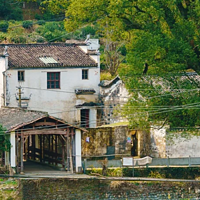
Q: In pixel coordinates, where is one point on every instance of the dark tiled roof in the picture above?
(89, 104)
(28, 55)
(14, 117)
(85, 91)
(106, 83)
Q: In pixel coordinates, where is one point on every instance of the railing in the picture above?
(156, 162)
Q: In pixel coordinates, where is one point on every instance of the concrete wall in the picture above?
(183, 145)
(158, 142)
(102, 138)
(57, 102)
(174, 144)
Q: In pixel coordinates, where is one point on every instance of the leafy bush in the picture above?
(4, 26)
(18, 39)
(12, 21)
(53, 30)
(40, 39)
(41, 22)
(15, 14)
(27, 24)
(10, 10)
(38, 16)
(2, 36)
(87, 30)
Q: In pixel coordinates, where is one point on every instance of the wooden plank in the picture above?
(44, 124)
(45, 132)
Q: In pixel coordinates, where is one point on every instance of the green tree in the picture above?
(163, 35)
(10, 9)
(4, 141)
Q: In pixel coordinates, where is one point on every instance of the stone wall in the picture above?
(82, 189)
(101, 140)
(174, 144)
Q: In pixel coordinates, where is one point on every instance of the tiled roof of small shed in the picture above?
(14, 118)
(29, 55)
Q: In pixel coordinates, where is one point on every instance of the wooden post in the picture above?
(33, 146)
(70, 156)
(63, 153)
(28, 149)
(52, 155)
(17, 153)
(49, 148)
(68, 161)
(56, 149)
(22, 151)
(40, 148)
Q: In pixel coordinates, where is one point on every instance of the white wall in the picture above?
(158, 142)
(57, 102)
(174, 145)
(180, 146)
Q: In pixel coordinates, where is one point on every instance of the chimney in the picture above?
(6, 57)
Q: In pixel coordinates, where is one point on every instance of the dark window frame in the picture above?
(21, 76)
(53, 81)
(85, 74)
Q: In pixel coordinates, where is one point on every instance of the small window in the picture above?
(20, 75)
(53, 80)
(85, 74)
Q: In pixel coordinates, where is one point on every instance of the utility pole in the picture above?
(20, 96)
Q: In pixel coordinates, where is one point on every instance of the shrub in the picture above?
(40, 39)
(87, 30)
(12, 21)
(4, 26)
(38, 16)
(18, 39)
(2, 36)
(27, 24)
(41, 22)
(15, 14)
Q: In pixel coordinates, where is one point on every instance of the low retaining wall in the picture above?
(105, 189)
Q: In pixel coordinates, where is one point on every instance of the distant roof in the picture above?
(79, 42)
(106, 83)
(14, 118)
(48, 55)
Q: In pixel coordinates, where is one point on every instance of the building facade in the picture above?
(57, 78)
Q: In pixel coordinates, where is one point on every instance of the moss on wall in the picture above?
(106, 189)
(101, 138)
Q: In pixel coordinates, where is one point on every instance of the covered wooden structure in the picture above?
(39, 137)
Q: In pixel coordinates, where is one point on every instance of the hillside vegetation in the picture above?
(39, 31)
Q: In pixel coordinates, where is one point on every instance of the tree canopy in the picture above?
(164, 36)
(162, 42)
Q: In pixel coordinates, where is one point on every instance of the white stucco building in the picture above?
(59, 78)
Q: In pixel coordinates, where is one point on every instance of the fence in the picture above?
(156, 162)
